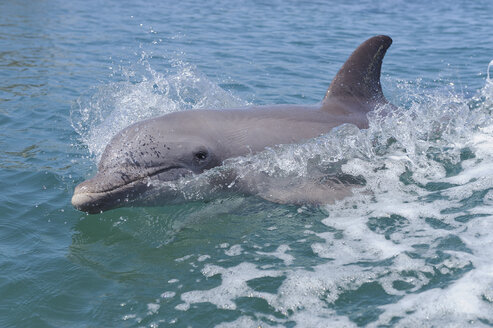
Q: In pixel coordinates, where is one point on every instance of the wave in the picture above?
(415, 236)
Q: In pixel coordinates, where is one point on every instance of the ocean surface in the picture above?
(413, 247)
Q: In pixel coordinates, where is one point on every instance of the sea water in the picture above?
(413, 245)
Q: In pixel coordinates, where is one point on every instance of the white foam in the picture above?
(168, 295)
(402, 226)
(234, 250)
(202, 258)
(233, 286)
(129, 316)
(410, 229)
(153, 308)
(458, 305)
(245, 321)
(280, 253)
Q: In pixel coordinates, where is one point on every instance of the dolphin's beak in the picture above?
(90, 197)
(86, 202)
(108, 190)
(82, 200)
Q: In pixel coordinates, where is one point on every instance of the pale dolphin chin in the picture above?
(181, 144)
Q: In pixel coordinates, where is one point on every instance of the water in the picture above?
(412, 247)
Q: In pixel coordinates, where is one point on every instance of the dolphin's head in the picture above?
(153, 150)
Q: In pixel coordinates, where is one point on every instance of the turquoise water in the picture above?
(413, 247)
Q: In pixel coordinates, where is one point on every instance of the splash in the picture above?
(412, 248)
(412, 244)
(143, 93)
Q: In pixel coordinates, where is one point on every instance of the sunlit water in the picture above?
(413, 245)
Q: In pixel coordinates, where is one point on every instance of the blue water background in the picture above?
(59, 267)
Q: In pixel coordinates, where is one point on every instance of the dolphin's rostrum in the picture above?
(184, 143)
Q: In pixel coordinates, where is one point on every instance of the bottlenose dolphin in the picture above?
(175, 145)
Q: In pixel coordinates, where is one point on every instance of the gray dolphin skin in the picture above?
(180, 144)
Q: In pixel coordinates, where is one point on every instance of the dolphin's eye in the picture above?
(201, 155)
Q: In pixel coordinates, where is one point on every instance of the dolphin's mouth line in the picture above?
(98, 200)
(132, 182)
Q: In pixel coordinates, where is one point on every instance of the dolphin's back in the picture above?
(256, 128)
(252, 129)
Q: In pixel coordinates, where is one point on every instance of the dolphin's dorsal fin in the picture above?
(358, 80)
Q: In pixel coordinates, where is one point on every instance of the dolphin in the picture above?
(185, 143)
